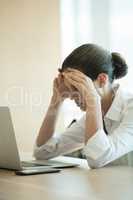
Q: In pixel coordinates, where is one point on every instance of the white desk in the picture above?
(109, 183)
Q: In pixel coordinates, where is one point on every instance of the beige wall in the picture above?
(29, 58)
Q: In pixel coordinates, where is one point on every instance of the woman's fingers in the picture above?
(72, 80)
(79, 76)
(69, 85)
(56, 82)
(76, 73)
(86, 81)
(60, 80)
(75, 78)
(73, 83)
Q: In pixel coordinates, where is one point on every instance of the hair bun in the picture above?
(119, 64)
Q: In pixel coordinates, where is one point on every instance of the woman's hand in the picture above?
(61, 90)
(83, 84)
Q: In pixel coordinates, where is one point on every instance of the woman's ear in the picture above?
(102, 79)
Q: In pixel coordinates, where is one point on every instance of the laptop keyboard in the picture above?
(28, 164)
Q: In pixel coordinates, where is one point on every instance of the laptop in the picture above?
(9, 154)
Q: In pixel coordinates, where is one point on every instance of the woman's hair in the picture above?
(92, 60)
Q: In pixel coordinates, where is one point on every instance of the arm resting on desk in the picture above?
(100, 149)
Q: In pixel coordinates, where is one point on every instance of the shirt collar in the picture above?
(115, 110)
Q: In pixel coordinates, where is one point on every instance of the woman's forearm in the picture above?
(93, 119)
(48, 126)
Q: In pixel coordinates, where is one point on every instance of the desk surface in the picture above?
(109, 183)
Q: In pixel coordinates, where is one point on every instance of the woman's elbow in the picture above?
(37, 155)
(43, 154)
(95, 164)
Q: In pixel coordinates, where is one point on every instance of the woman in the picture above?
(105, 132)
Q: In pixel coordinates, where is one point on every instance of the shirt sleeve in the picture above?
(70, 140)
(102, 149)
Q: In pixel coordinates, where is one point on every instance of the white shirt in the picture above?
(100, 149)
